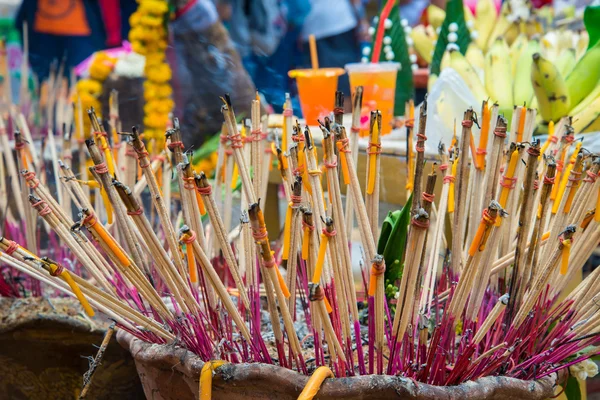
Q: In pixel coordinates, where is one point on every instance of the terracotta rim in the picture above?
(240, 378)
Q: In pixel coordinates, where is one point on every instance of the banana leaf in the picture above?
(405, 87)
(392, 241)
(455, 12)
(591, 20)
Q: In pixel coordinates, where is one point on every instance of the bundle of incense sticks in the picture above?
(482, 289)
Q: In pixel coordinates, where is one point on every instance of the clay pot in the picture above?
(171, 372)
(43, 345)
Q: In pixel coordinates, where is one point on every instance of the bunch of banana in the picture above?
(511, 61)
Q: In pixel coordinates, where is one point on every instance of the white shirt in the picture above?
(328, 18)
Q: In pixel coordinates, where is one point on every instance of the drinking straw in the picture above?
(314, 58)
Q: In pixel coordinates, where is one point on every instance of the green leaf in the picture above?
(455, 12)
(392, 241)
(572, 390)
(591, 20)
(405, 87)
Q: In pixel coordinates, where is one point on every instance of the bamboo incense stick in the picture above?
(373, 172)
(354, 135)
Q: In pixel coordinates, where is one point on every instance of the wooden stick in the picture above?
(354, 135)
(88, 377)
(373, 172)
(461, 192)
(205, 190)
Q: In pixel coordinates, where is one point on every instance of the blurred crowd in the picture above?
(216, 46)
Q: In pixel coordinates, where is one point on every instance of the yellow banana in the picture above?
(588, 120)
(422, 42)
(522, 88)
(436, 16)
(516, 49)
(459, 63)
(550, 89)
(485, 21)
(475, 57)
(584, 76)
(431, 81)
(445, 60)
(498, 76)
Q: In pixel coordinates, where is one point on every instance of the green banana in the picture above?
(588, 120)
(566, 61)
(550, 89)
(498, 76)
(584, 77)
(522, 89)
(585, 103)
(459, 63)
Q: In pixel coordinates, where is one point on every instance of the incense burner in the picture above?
(170, 372)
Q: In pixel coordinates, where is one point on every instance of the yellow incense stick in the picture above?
(508, 179)
(549, 140)
(320, 258)
(451, 188)
(565, 179)
(374, 149)
(522, 119)
(287, 232)
(206, 378)
(483, 137)
(565, 253)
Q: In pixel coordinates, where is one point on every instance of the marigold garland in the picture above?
(89, 89)
(148, 36)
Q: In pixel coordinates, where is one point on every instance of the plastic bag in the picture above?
(447, 102)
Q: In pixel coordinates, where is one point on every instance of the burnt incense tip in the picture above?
(504, 299)
(33, 199)
(377, 259)
(89, 142)
(308, 138)
(244, 218)
(184, 229)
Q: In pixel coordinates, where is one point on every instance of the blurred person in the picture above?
(72, 30)
(334, 23)
(206, 65)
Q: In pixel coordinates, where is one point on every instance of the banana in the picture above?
(498, 76)
(566, 61)
(550, 89)
(511, 33)
(445, 61)
(582, 44)
(584, 76)
(459, 63)
(485, 21)
(436, 16)
(422, 42)
(475, 57)
(550, 47)
(588, 120)
(585, 103)
(522, 89)
(516, 49)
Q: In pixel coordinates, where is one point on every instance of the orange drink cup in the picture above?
(379, 88)
(316, 88)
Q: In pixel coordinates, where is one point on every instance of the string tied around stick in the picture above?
(101, 168)
(467, 123)
(443, 167)
(176, 145)
(429, 197)
(30, 177)
(591, 177)
(548, 180)
(338, 110)
(90, 220)
(308, 226)
(329, 234)
(410, 123)
(355, 129)
(315, 172)
(57, 271)
(206, 190)
(449, 179)
(330, 164)
(421, 138)
(574, 178)
(189, 238)
(236, 141)
(12, 247)
(536, 184)
(374, 148)
(342, 145)
(45, 209)
(377, 269)
(139, 211)
(508, 182)
(568, 138)
(554, 139)
(500, 131)
(288, 112)
(481, 151)
(189, 183)
(534, 151)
